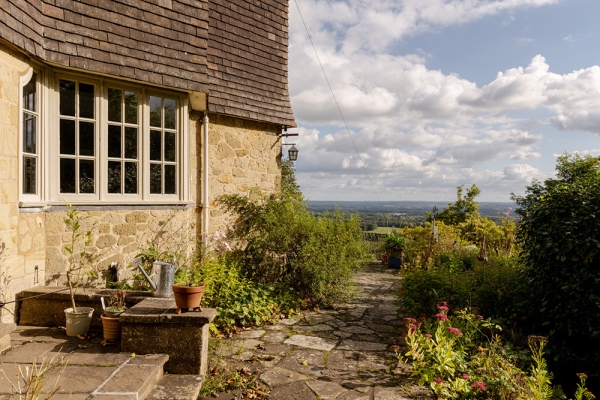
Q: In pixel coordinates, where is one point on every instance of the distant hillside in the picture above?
(402, 213)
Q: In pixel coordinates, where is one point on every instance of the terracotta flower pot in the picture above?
(188, 297)
(111, 327)
(385, 258)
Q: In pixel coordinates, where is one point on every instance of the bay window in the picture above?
(100, 141)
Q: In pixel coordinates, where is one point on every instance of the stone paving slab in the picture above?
(311, 342)
(341, 354)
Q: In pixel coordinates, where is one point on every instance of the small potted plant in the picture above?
(394, 246)
(79, 266)
(110, 320)
(188, 289)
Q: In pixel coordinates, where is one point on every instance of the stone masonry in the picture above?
(22, 241)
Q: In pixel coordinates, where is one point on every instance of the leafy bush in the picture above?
(560, 238)
(238, 300)
(498, 287)
(279, 240)
(460, 357)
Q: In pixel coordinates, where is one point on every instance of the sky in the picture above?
(441, 93)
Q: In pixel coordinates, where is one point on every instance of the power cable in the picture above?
(336, 103)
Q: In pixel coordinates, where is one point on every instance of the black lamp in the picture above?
(293, 153)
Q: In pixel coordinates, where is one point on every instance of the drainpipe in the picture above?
(205, 177)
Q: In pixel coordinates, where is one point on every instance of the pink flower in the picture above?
(410, 320)
(454, 331)
(442, 308)
(428, 335)
(478, 386)
(395, 347)
(480, 316)
(466, 377)
(404, 335)
(421, 316)
(441, 317)
(437, 380)
(441, 303)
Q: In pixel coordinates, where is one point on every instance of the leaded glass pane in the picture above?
(155, 111)
(67, 136)
(29, 94)
(29, 175)
(67, 175)
(131, 143)
(86, 138)
(155, 178)
(131, 177)
(114, 177)
(86, 176)
(67, 98)
(86, 100)
(131, 107)
(169, 152)
(170, 179)
(155, 145)
(29, 133)
(170, 113)
(114, 141)
(114, 105)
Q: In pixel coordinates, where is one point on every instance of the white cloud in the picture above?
(521, 172)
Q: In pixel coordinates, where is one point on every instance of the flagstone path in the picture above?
(341, 354)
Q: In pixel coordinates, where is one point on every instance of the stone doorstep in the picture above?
(177, 387)
(5, 330)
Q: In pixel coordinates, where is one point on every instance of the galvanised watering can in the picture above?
(164, 276)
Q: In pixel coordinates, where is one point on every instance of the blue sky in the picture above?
(418, 82)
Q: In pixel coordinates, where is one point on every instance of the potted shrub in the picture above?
(394, 246)
(188, 289)
(110, 319)
(78, 319)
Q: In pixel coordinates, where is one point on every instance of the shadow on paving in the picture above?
(341, 354)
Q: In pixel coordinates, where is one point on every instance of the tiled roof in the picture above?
(234, 50)
(247, 59)
(161, 42)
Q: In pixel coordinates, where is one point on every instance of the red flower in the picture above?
(437, 380)
(478, 386)
(405, 335)
(466, 377)
(454, 331)
(395, 347)
(441, 317)
(410, 320)
(421, 316)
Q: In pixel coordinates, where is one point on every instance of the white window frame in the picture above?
(23, 81)
(48, 127)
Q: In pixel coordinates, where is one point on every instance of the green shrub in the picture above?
(238, 300)
(497, 287)
(279, 240)
(560, 237)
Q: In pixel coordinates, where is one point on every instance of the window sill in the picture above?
(105, 206)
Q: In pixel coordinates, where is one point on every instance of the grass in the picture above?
(383, 230)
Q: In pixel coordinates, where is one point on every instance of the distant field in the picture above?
(382, 230)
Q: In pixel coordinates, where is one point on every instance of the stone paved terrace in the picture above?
(92, 370)
(341, 354)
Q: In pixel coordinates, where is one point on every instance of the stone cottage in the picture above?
(140, 112)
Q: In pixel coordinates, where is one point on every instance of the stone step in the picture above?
(177, 387)
(135, 379)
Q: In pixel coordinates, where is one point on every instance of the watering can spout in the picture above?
(138, 262)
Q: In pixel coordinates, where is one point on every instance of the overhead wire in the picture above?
(337, 104)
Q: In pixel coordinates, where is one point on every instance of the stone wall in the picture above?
(118, 237)
(242, 157)
(21, 235)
